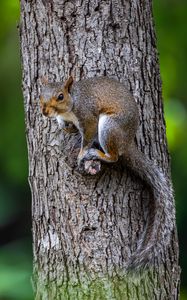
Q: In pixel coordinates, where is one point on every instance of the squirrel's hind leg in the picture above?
(107, 136)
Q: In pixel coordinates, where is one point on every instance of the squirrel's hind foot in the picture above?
(90, 166)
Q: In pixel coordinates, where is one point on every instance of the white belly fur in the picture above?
(101, 125)
(68, 117)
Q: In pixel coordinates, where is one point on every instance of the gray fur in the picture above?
(103, 106)
(161, 215)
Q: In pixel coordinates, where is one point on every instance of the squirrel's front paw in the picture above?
(70, 128)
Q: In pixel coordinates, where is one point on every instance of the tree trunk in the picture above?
(85, 228)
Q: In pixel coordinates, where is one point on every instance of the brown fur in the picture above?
(103, 108)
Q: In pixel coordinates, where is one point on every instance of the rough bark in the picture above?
(86, 227)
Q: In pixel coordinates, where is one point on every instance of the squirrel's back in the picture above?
(108, 92)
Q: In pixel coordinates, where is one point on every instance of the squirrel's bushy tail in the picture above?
(160, 219)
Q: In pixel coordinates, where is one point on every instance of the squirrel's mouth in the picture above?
(45, 113)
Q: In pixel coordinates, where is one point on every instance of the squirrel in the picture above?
(103, 108)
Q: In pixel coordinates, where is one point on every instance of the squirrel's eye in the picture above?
(60, 97)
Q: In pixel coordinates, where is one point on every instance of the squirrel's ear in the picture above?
(68, 83)
(44, 80)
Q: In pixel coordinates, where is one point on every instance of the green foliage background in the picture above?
(16, 254)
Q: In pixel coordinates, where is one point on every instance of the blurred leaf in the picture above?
(183, 295)
(13, 153)
(170, 17)
(15, 271)
(9, 16)
(175, 115)
(6, 205)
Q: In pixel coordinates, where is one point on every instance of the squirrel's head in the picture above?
(55, 98)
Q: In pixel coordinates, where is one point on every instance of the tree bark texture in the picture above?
(85, 228)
